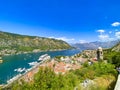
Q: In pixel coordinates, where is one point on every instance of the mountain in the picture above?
(95, 45)
(116, 47)
(84, 46)
(13, 43)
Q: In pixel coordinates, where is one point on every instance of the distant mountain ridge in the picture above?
(12, 43)
(95, 45)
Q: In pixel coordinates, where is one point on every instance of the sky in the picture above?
(74, 21)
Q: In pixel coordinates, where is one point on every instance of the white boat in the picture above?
(33, 63)
(19, 70)
(44, 57)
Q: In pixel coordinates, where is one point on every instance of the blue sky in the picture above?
(69, 20)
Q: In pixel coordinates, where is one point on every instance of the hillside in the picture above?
(54, 75)
(112, 55)
(13, 43)
(95, 45)
(116, 47)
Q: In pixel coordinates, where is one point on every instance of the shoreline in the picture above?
(34, 67)
(20, 76)
(20, 52)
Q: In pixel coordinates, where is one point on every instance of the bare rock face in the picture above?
(116, 48)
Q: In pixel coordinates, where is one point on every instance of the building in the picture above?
(99, 53)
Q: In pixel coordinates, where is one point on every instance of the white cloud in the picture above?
(110, 32)
(116, 30)
(51, 37)
(101, 31)
(83, 41)
(117, 34)
(115, 24)
(103, 37)
(64, 39)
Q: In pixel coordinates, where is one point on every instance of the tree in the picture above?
(116, 59)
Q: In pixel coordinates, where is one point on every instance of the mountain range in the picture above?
(95, 45)
(11, 43)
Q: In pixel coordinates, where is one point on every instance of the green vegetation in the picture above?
(113, 58)
(95, 70)
(46, 79)
(98, 72)
(13, 43)
(116, 59)
(105, 82)
(112, 55)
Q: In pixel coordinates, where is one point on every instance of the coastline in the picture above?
(27, 76)
(27, 52)
(21, 76)
(49, 54)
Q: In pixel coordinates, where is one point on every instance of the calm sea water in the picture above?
(13, 62)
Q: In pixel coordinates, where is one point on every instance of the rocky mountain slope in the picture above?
(95, 45)
(12, 43)
(116, 47)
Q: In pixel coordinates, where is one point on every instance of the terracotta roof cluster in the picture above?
(58, 67)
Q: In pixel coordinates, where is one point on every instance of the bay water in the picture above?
(12, 62)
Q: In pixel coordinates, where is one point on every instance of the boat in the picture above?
(44, 57)
(33, 63)
(20, 70)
